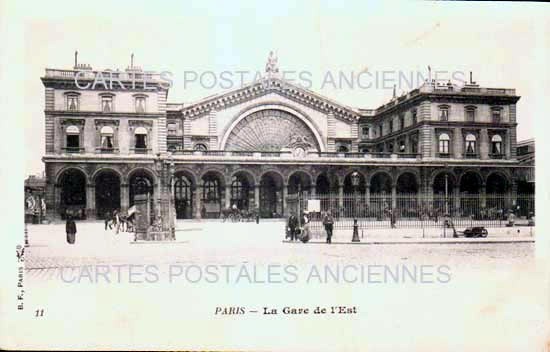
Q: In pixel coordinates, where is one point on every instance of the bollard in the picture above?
(355, 237)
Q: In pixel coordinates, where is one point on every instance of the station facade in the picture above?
(262, 144)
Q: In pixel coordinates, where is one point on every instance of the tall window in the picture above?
(414, 118)
(107, 103)
(496, 115)
(73, 139)
(141, 140)
(444, 141)
(380, 130)
(496, 145)
(470, 113)
(365, 132)
(471, 144)
(401, 146)
(444, 113)
(73, 103)
(172, 129)
(140, 104)
(401, 121)
(107, 138)
(391, 125)
(414, 144)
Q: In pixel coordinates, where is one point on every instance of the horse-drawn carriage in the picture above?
(120, 221)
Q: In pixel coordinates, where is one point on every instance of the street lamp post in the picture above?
(355, 184)
(171, 215)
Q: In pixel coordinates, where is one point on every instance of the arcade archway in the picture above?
(107, 193)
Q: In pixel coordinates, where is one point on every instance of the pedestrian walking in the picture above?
(328, 222)
(292, 224)
(305, 234)
(70, 228)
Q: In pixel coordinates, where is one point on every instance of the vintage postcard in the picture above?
(275, 176)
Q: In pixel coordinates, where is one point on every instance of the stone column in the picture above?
(312, 192)
(456, 194)
(90, 201)
(57, 200)
(367, 194)
(484, 145)
(340, 196)
(512, 196)
(124, 197)
(457, 143)
(483, 195)
(227, 196)
(257, 196)
(197, 196)
(394, 196)
(285, 194)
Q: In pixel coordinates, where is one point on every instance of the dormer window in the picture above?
(470, 112)
(72, 101)
(140, 103)
(443, 113)
(107, 104)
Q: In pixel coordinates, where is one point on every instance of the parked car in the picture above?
(478, 231)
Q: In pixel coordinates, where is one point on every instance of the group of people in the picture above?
(299, 230)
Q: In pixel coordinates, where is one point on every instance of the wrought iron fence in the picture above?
(417, 210)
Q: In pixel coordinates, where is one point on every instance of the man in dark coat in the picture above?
(292, 225)
(70, 228)
(328, 222)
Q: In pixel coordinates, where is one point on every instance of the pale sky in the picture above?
(505, 45)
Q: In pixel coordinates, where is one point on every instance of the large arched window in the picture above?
(200, 147)
(444, 141)
(471, 146)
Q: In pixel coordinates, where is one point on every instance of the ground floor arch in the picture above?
(299, 182)
(107, 193)
(183, 195)
(242, 190)
(271, 195)
(72, 200)
(212, 191)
